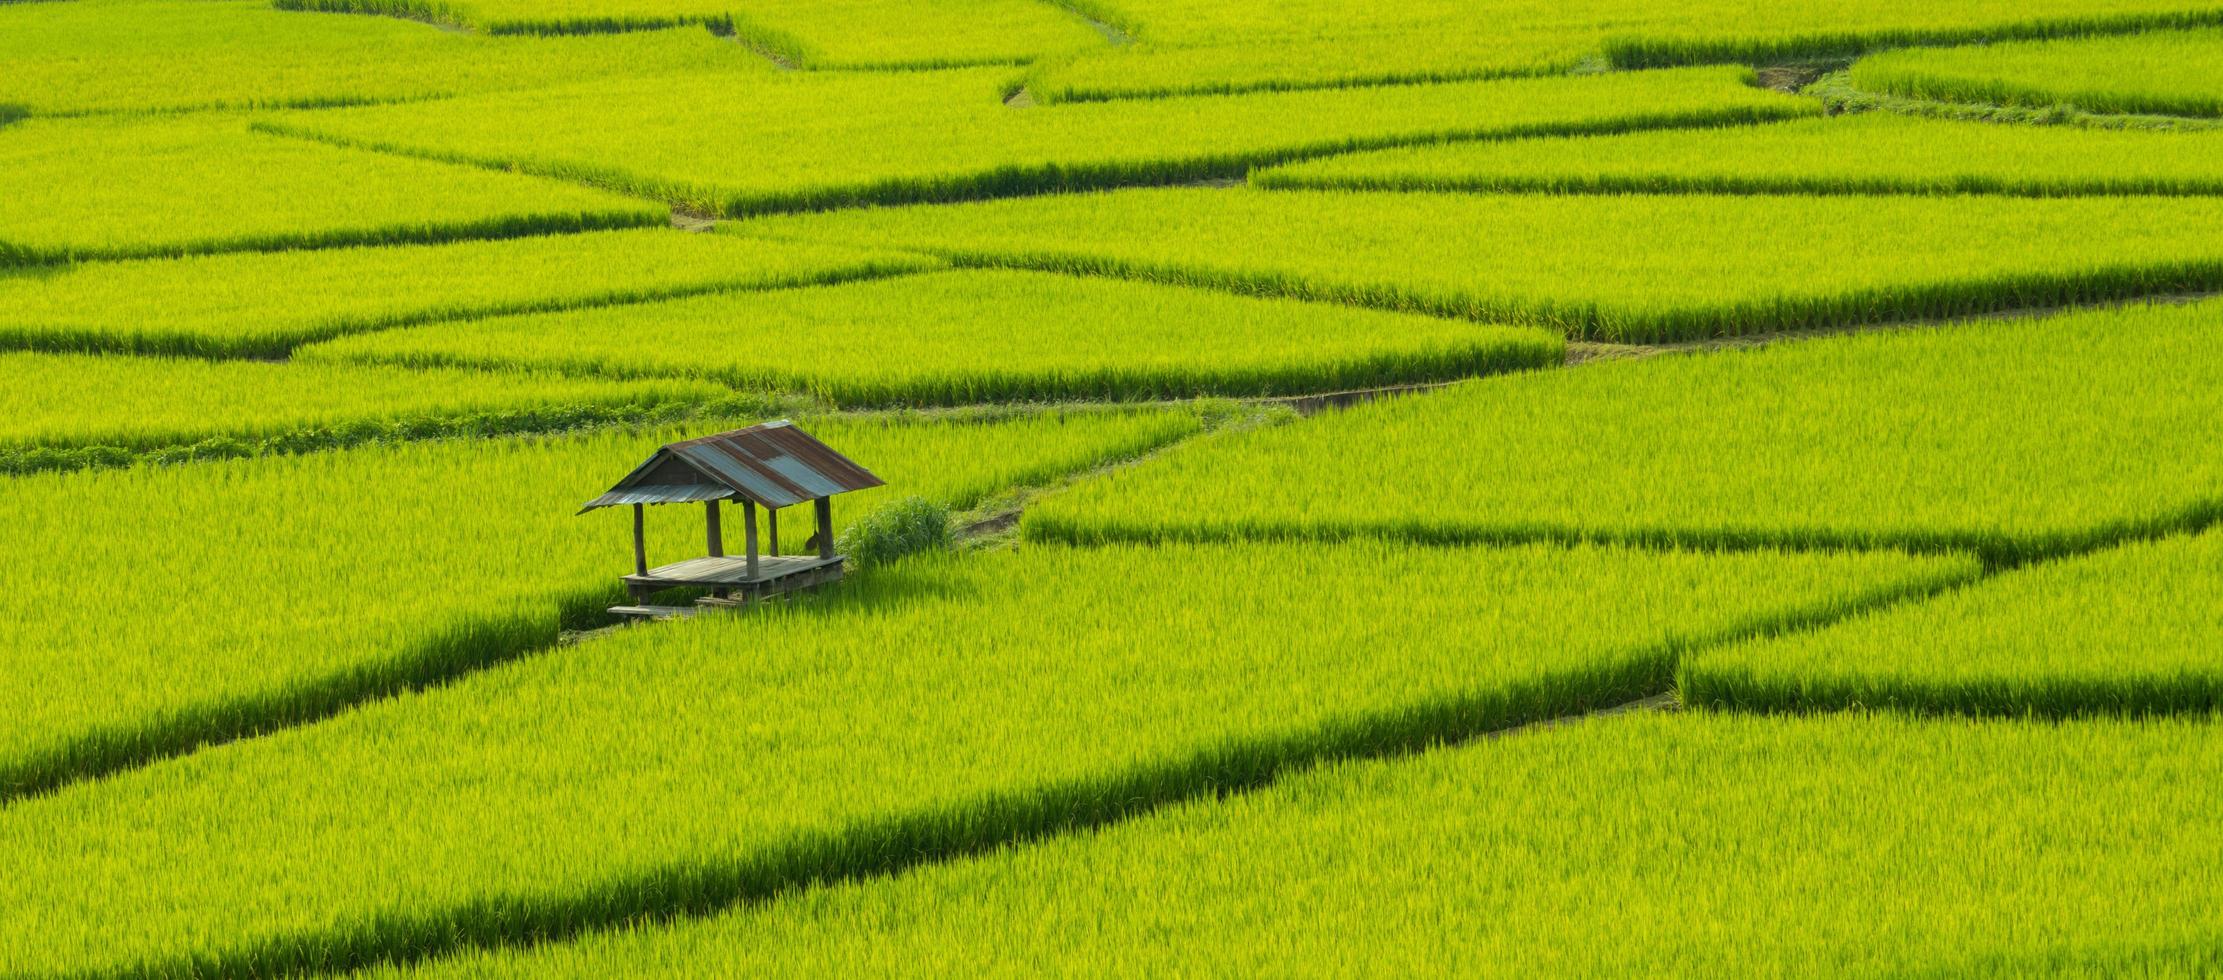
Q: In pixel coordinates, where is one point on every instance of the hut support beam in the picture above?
(771, 530)
(711, 529)
(640, 541)
(825, 508)
(748, 517)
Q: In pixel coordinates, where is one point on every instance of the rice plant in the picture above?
(1870, 153)
(825, 139)
(1637, 268)
(1652, 845)
(161, 55)
(252, 594)
(1945, 438)
(100, 188)
(264, 304)
(1191, 46)
(2159, 72)
(2129, 630)
(948, 703)
(973, 336)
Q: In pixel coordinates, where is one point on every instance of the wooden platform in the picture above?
(729, 576)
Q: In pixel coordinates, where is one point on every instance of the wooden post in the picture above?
(772, 530)
(711, 528)
(825, 507)
(748, 515)
(640, 543)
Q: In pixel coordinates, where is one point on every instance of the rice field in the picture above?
(1317, 488)
(1928, 439)
(2160, 72)
(667, 769)
(138, 187)
(2127, 630)
(246, 305)
(1505, 857)
(343, 542)
(1627, 268)
(134, 56)
(1871, 153)
(973, 336)
(713, 145)
(1188, 46)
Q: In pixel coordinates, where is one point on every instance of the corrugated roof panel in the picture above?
(774, 464)
(691, 493)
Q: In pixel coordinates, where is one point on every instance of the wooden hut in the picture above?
(772, 466)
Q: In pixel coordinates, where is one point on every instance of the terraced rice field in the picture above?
(1307, 489)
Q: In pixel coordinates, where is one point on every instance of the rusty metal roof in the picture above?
(774, 464)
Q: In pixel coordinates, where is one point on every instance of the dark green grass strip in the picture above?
(430, 233)
(1816, 185)
(1742, 691)
(899, 842)
(1643, 52)
(1996, 551)
(1027, 181)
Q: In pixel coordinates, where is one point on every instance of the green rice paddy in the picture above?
(1586, 488)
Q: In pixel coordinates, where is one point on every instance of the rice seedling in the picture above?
(825, 139)
(2132, 629)
(971, 336)
(1945, 438)
(1190, 46)
(1702, 845)
(1870, 153)
(2163, 72)
(254, 594)
(798, 33)
(947, 703)
(1624, 268)
(138, 404)
(85, 56)
(122, 187)
(266, 303)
